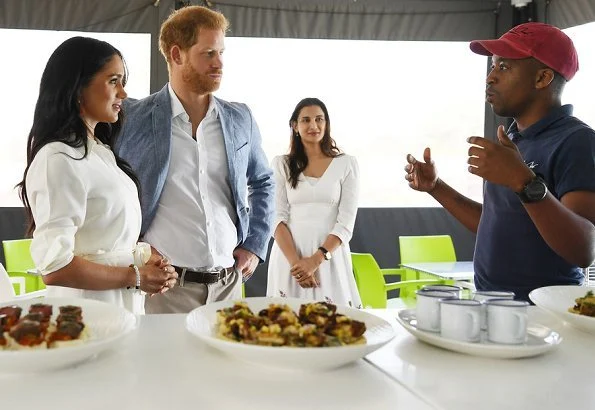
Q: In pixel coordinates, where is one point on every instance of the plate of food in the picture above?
(540, 339)
(573, 304)
(49, 333)
(289, 333)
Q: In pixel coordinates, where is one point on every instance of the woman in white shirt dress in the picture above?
(82, 201)
(317, 190)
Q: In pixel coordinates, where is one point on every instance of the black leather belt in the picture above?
(187, 275)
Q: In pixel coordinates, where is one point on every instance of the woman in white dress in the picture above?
(317, 190)
(82, 201)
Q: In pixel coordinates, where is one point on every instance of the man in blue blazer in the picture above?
(207, 190)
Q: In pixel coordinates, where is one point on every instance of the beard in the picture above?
(200, 83)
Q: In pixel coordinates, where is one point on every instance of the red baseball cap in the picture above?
(543, 42)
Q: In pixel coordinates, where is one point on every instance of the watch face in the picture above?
(535, 190)
(326, 254)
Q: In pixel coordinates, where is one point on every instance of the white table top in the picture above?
(560, 379)
(462, 270)
(161, 366)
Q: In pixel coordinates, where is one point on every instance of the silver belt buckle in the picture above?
(182, 276)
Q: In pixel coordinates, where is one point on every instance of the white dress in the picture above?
(316, 208)
(88, 208)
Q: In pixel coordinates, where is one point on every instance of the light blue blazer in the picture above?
(145, 143)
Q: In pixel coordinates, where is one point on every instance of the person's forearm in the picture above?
(465, 210)
(83, 274)
(285, 242)
(569, 235)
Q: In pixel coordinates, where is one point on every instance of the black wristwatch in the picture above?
(327, 255)
(534, 191)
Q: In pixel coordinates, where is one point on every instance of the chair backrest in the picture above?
(17, 254)
(369, 280)
(6, 289)
(427, 248)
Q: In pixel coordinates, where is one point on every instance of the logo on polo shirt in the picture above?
(532, 164)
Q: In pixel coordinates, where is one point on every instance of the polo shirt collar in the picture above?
(541, 125)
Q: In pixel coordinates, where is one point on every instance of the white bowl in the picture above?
(107, 325)
(201, 323)
(558, 299)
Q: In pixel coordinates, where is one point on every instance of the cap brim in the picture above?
(499, 47)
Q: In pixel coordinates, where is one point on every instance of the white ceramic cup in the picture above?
(427, 310)
(456, 291)
(483, 295)
(460, 319)
(507, 321)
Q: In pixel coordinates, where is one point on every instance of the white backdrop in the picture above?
(385, 99)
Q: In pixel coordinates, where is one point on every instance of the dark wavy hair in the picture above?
(297, 160)
(68, 72)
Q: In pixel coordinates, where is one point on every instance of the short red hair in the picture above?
(182, 27)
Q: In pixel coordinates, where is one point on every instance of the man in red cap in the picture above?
(536, 226)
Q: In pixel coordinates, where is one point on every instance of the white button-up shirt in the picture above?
(195, 223)
(87, 208)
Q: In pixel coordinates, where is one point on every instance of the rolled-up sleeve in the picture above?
(348, 203)
(58, 198)
(281, 201)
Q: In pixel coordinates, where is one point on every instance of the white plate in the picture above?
(558, 299)
(540, 339)
(201, 323)
(106, 323)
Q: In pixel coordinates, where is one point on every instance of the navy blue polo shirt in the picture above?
(510, 254)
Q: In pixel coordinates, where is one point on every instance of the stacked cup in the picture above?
(482, 296)
(441, 309)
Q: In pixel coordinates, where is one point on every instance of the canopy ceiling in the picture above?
(350, 19)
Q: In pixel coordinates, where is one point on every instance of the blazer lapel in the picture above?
(162, 125)
(225, 117)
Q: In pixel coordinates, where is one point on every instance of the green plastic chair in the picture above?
(18, 259)
(7, 288)
(425, 248)
(9, 285)
(372, 287)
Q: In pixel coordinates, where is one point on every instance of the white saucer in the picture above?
(540, 339)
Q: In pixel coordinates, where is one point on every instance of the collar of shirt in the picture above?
(177, 109)
(93, 144)
(536, 129)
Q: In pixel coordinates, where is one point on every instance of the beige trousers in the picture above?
(183, 299)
